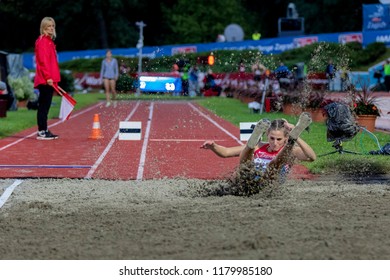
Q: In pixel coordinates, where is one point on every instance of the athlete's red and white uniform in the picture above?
(262, 158)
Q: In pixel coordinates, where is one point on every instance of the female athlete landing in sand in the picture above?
(272, 158)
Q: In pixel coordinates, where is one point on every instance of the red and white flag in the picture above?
(67, 103)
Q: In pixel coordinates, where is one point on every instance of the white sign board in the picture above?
(129, 131)
(246, 129)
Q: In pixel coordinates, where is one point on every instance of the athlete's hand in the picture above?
(288, 125)
(209, 144)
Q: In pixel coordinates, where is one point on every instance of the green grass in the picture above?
(23, 118)
(235, 111)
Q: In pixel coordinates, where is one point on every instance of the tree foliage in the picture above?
(97, 24)
(201, 21)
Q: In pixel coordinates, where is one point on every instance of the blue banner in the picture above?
(266, 46)
(376, 17)
(160, 84)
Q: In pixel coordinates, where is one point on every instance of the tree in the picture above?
(201, 21)
(97, 24)
(82, 24)
(321, 16)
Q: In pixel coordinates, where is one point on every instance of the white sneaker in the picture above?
(108, 104)
(303, 123)
(46, 135)
(258, 131)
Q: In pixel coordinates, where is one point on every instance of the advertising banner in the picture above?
(376, 17)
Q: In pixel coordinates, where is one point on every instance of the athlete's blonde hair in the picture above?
(44, 23)
(278, 124)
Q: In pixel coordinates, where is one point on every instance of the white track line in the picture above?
(54, 124)
(215, 123)
(109, 146)
(42, 166)
(8, 191)
(145, 144)
(147, 133)
(183, 140)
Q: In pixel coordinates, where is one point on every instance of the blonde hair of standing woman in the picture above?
(44, 23)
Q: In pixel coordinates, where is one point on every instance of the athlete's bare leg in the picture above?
(258, 131)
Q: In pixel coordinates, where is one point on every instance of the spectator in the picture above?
(184, 79)
(175, 70)
(210, 84)
(344, 78)
(241, 73)
(241, 67)
(330, 72)
(193, 85)
(386, 70)
(3, 88)
(282, 71)
(256, 35)
(109, 73)
(258, 70)
(124, 69)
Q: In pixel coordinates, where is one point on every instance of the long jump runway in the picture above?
(171, 135)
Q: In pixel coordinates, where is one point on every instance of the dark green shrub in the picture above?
(67, 81)
(375, 50)
(125, 83)
(354, 46)
(82, 65)
(368, 55)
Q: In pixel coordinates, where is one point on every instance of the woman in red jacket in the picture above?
(47, 75)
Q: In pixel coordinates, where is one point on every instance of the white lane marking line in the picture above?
(8, 191)
(141, 165)
(184, 140)
(42, 166)
(215, 123)
(109, 146)
(54, 124)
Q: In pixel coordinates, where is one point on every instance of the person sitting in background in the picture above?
(124, 69)
(3, 88)
(175, 70)
(282, 71)
(258, 70)
(210, 84)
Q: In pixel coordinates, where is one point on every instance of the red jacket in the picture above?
(46, 61)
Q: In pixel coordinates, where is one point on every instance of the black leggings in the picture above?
(44, 103)
(387, 82)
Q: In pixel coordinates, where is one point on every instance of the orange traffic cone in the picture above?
(96, 131)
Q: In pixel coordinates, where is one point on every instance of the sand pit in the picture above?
(177, 219)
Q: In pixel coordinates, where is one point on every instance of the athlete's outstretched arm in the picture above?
(222, 151)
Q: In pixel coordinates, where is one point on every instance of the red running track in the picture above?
(172, 133)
